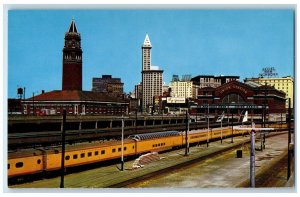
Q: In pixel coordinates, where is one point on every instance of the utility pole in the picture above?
(63, 149)
(33, 104)
(122, 151)
(252, 157)
(289, 141)
(221, 130)
(231, 126)
(265, 105)
(136, 120)
(186, 134)
(207, 141)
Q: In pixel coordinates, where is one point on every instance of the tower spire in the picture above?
(147, 42)
(72, 28)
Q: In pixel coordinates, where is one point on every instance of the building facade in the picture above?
(181, 88)
(202, 81)
(242, 95)
(75, 102)
(285, 84)
(107, 84)
(151, 77)
(72, 60)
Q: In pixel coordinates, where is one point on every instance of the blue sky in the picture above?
(195, 42)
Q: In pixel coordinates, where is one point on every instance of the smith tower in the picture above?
(151, 77)
(72, 60)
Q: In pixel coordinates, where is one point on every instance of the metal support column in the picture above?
(252, 158)
(122, 151)
(186, 134)
(289, 141)
(231, 127)
(63, 150)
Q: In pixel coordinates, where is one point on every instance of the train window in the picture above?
(113, 150)
(132, 147)
(38, 161)
(162, 144)
(67, 157)
(19, 165)
(82, 155)
(125, 148)
(75, 156)
(152, 145)
(96, 152)
(119, 149)
(158, 144)
(89, 154)
(102, 152)
(8, 166)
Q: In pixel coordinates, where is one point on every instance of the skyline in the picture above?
(206, 39)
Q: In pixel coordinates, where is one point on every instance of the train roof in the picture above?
(24, 153)
(57, 149)
(147, 136)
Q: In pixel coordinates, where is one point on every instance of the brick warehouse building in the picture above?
(241, 94)
(71, 97)
(75, 102)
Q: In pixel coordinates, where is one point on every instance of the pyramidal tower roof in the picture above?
(72, 28)
(147, 42)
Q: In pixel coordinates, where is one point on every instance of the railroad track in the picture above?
(48, 138)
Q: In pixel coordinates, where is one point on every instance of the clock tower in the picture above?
(72, 60)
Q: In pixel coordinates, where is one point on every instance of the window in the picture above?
(132, 147)
(82, 155)
(113, 150)
(75, 156)
(39, 161)
(119, 149)
(125, 148)
(8, 166)
(89, 154)
(19, 165)
(102, 152)
(67, 157)
(96, 152)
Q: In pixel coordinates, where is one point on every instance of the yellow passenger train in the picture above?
(32, 161)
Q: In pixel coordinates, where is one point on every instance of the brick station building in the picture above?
(75, 102)
(241, 96)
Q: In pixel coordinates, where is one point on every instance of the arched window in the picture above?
(233, 98)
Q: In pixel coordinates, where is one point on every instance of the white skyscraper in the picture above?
(151, 76)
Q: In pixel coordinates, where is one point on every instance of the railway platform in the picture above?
(229, 172)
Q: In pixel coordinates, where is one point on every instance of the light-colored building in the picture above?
(285, 84)
(151, 77)
(203, 81)
(182, 89)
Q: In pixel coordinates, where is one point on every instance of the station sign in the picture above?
(175, 100)
(232, 107)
